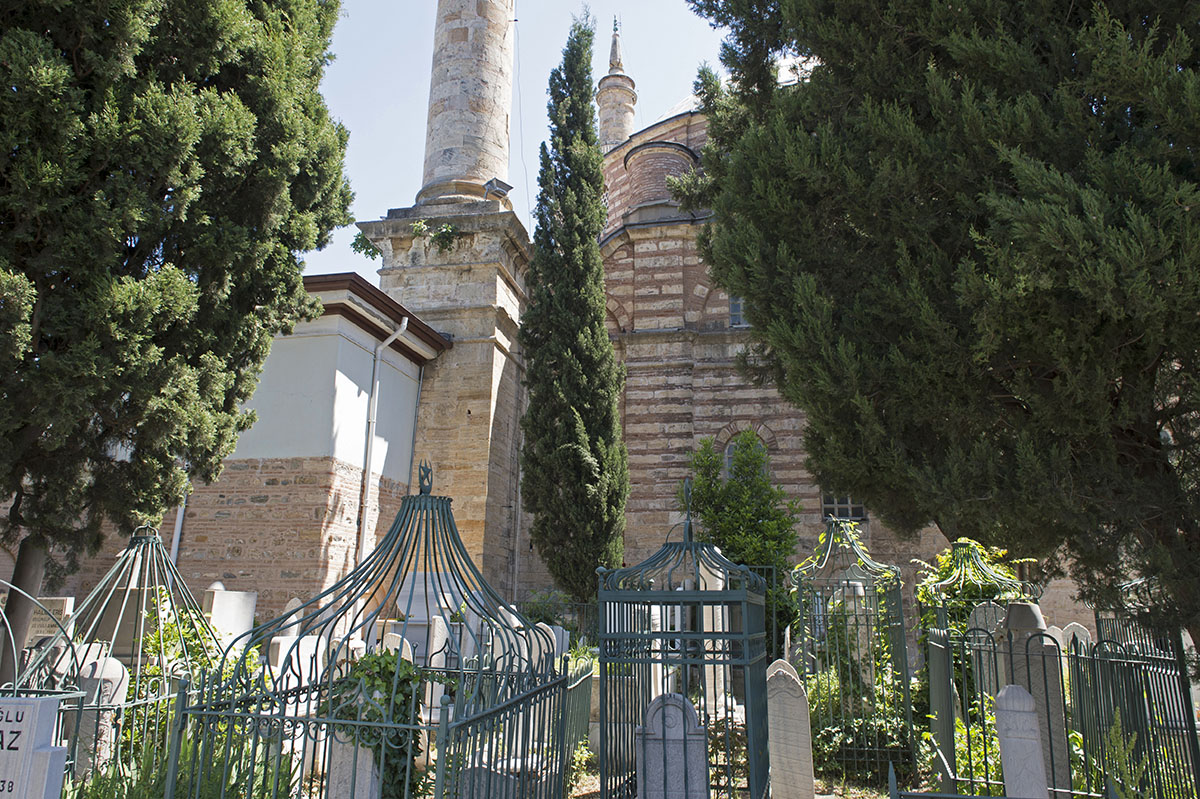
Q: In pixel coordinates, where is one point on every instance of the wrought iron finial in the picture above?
(616, 25)
(426, 477)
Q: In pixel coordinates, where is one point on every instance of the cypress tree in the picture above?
(575, 477)
(969, 244)
(164, 163)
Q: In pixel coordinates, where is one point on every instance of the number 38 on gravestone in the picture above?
(30, 765)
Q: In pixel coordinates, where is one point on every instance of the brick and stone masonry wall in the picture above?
(282, 527)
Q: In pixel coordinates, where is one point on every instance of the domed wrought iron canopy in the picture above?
(418, 592)
(841, 554)
(141, 613)
(968, 568)
(684, 565)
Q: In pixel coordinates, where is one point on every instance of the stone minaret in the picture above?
(470, 98)
(615, 99)
(457, 258)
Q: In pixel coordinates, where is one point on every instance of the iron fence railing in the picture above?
(1111, 714)
(351, 740)
(582, 619)
(521, 748)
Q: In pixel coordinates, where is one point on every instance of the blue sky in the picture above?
(378, 86)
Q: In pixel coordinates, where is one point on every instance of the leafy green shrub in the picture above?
(583, 762)
(380, 694)
(750, 519)
(203, 774)
(860, 724)
(958, 585)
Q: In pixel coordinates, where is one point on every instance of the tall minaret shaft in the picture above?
(470, 98)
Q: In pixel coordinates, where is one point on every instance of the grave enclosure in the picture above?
(683, 677)
(402, 682)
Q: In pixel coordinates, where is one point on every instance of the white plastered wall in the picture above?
(312, 399)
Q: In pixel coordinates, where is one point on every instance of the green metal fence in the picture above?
(849, 645)
(126, 648)
(1111, 715)
(357, 693)
(521, 748)
(683, 676)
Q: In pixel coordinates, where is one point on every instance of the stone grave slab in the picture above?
(789, 737)
(1037, 666)
(353, 772)
(231, 613)
(105, 686)
(1021, 756)
(61, 608)
(394, 642)
(31, 767)
(1077, 632)
(671, 751)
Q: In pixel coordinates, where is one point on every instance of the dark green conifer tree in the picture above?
(748, 517)
(575, 478)
(969, 244)
(163, 163)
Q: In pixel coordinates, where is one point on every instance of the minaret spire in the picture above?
(614, 54)
(615, 98)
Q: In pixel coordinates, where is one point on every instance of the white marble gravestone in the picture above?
(983, 634)
(717, 699)
(394, 642)
(297, 659)
(562, 642)
(986, 617)
(1037, 664)
(1020, 744)
(1076, 632)
(439, 653)
(231, 613)
(671, 751)
(353, 772)
(105, 685)
(541, 646)
(789, 737)
(31, 767)
(1056, 633)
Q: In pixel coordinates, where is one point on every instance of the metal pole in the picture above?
(175, 750)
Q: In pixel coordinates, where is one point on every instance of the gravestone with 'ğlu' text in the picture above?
(31, 767)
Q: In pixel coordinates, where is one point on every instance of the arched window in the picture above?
(729, 448)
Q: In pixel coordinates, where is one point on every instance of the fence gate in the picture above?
(683, 677)
(849, 644)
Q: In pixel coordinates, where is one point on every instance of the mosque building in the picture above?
(427, 367)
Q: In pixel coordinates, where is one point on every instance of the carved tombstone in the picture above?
(394, 642)
(983, 637)
(1020, 744)
(353, 772)
(671, 751)
(1076, 632)
(31, 767)
(788, 734)
(105, 685)
(1037, 665)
